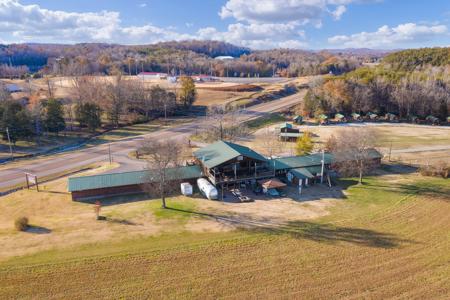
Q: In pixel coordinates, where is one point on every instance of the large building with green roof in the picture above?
(223, 163)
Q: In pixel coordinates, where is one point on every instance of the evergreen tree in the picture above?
(89, 115)
(17, 119)
(54, 116)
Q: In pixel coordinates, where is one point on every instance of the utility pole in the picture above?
(390, 152)
(9, 142)
(109, 153)
(165, 112)
(323, 166)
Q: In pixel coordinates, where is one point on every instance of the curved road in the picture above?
(69, 161)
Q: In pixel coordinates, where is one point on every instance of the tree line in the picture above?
(383, 89)
(177, 58)
(96, 102)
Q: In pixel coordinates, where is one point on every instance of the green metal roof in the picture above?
(355, 115)
(323, 117)
(286, 125)
(315, 170)
(312, 162)
(301, 173)
(339, 116)
(431, 118)
(294, 162)
(220, 152)
(129, 178)
(290, 134)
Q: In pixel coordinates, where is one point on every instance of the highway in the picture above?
(64, 162)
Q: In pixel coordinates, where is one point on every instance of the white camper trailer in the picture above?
(207, 189)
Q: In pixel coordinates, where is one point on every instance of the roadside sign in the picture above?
(31, 180)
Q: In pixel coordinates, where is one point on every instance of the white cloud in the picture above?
(143, 5)
(338, 12)
(33, 23)
(385, 36)
(282, 11)
(275, 23)
(257, 36)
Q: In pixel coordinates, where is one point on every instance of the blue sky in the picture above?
(259, 24)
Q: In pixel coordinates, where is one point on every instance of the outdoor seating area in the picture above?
(242, 198)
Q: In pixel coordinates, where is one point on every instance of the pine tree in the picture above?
(17, 119)
(54, 116)
(89, 115)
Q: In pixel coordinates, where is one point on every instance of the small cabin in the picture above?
(414, 119)
(298, 119)
(286, 127)
(448, 120)
(323, 119)
(356, 117)
(340, 118)
(391, 117)
(372, 116)
(289, 133)
(432, 120)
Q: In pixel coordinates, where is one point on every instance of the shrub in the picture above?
(21, 223)
(439, 169)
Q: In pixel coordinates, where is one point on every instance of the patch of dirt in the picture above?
(235, 88)
(315, 202)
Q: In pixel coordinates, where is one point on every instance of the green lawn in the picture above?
(52, 142)
(266, 121)
(388, 239)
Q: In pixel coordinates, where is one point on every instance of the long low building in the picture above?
(113, 184)
(224, 164)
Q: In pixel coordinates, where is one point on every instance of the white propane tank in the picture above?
(186, 189)
(207, 189)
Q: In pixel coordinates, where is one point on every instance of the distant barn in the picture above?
(152, 75)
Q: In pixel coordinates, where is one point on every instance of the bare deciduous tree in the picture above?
(224, 124)
(4, 93)
(271, 144)
(352, 151)
(162, 158)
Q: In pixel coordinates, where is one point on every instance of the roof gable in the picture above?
(221, 152)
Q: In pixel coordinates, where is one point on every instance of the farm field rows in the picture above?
(388, 238)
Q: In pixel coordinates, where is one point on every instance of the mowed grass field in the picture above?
(390, 238)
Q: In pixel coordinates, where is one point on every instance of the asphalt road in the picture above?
(69, 161)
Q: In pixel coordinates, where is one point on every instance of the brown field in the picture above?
(206, 97)
(236, 88)
(388, 239)
(425, 143)
(63, 222)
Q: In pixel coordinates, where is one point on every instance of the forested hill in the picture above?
(209, 48)
(186, 57)
(409, 83)
(409, 60)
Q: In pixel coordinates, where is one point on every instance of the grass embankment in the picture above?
(265, 121)
(389, 238)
